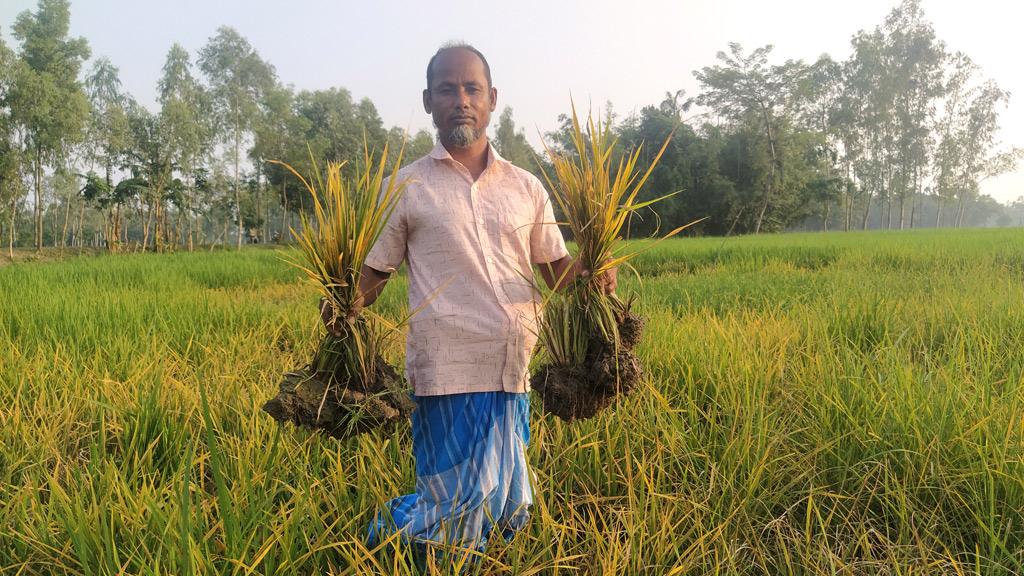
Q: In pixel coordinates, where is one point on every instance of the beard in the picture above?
(462, 136)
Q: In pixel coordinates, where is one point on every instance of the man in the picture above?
(471, 226)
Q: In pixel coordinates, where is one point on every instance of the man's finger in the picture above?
(327, 315)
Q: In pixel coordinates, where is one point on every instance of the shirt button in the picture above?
(490, 259)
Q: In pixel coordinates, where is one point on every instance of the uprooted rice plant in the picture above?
(587, 337)
(347, 388)
(854, 416)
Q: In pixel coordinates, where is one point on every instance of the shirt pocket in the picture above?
(515, 227)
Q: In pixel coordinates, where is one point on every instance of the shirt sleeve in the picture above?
(546, 242)
(388, 252)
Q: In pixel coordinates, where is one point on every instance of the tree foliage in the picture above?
(900, 134)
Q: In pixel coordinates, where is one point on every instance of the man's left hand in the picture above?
(607, 281)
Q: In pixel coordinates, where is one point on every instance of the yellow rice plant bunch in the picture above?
(347, 387)
(586, 336)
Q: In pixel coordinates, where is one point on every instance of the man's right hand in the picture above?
(331, 323)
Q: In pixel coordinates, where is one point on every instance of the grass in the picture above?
(815, 404)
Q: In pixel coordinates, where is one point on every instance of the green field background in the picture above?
(814, 404)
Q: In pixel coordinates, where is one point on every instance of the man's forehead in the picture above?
(458, 62)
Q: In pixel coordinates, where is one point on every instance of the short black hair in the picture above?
(453, 46)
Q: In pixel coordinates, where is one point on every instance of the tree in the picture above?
(867, 104)
(419, 146)
(278, 136)
(746, 87)
(675, 171)
(109, 138)
(966, 154)
(335, 127)
(238, 78)
(916, 58)
(512, 144)
(10, 155)
(948, 157)
(183, 113)
(47, 100)
(818, 103)
(979, 159)
(150, 160)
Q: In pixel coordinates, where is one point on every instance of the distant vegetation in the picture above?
(900, 135)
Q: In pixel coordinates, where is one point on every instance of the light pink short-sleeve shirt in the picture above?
(470, 248)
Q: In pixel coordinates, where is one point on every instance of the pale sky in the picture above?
(629, 53)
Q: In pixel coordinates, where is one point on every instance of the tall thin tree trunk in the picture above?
(64, 229)
(257, 205)
(76, 235)
(888, 210)
(916, 194)
(145, 227)
(238, 191)
(53, 227)
(771, 171)
(37, 214)
(116, 236)
(188, 213)
(160, 238)
(126, 224)
(903, 209)
(867, 212)
(284, 214)
(11, 230)
(265, 193)
(179, 240)
(848, 198)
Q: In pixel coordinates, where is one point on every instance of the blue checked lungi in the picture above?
(471, 471)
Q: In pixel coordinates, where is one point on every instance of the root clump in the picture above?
(608, 372)
(341, 409)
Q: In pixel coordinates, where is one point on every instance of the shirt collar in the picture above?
(441, 153)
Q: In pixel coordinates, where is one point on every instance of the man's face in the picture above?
(459, 98)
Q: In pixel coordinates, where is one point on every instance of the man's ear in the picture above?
(426, 101)
(494, 98)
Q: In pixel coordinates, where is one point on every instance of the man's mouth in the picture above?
(462, 119)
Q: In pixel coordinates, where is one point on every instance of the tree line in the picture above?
(898, 136)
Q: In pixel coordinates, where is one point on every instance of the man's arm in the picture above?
(371, 284)
(558, 274)
(562, 272)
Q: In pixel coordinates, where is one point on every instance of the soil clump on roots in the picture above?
(580, 392)
(341, 409)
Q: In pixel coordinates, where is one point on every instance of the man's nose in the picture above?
(463, 98)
